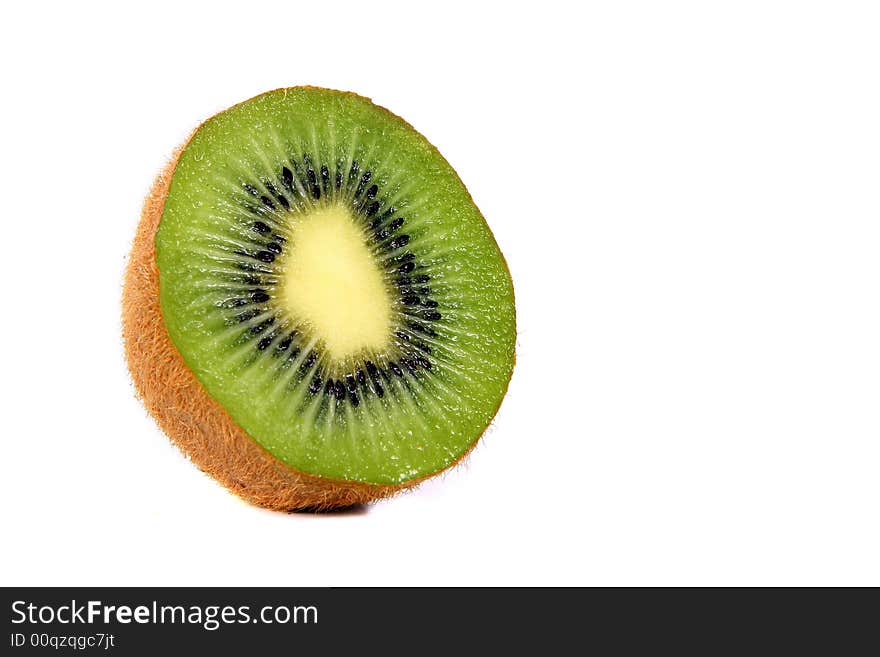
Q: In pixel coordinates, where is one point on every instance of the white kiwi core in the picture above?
(333, 283)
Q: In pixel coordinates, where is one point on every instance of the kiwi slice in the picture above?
(315, 310)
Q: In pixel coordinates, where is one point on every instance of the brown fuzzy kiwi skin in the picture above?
(192, 419)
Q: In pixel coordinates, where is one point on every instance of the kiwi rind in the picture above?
(193, 420)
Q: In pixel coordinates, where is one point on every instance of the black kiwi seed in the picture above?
(287, 178)
(371, 368)
(395, 368)
(274, 247)
(421, 278)
(421, 328)
(250, 189)
(308, 362)
(406, 267)
(366, 178)
(404, 281)
(424, 362)
(247, 315)
(329, 389)
(372, 191)
(313, 180)
(409, 364)
(424, 347)
(340, 391)
(338, 179)
(398, 242)
(349, 383)
(353, 398)
(432, 315)
(267, 202)
(278, 195)
(262, 326)
(378, 389)
(409, 300)
(261, 227)
(315, 385)
(361, 377)
(265, 342)
(373, 208)
(259, 296)
(265, 256)
(429, 303)
(325, 174)
(248, 266)
(284, 344)
(402, 335)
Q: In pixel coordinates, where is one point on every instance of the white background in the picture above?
(687, 193)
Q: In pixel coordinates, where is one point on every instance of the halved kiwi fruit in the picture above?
(315, 310)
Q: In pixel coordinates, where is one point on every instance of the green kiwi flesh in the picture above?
(250, 188)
